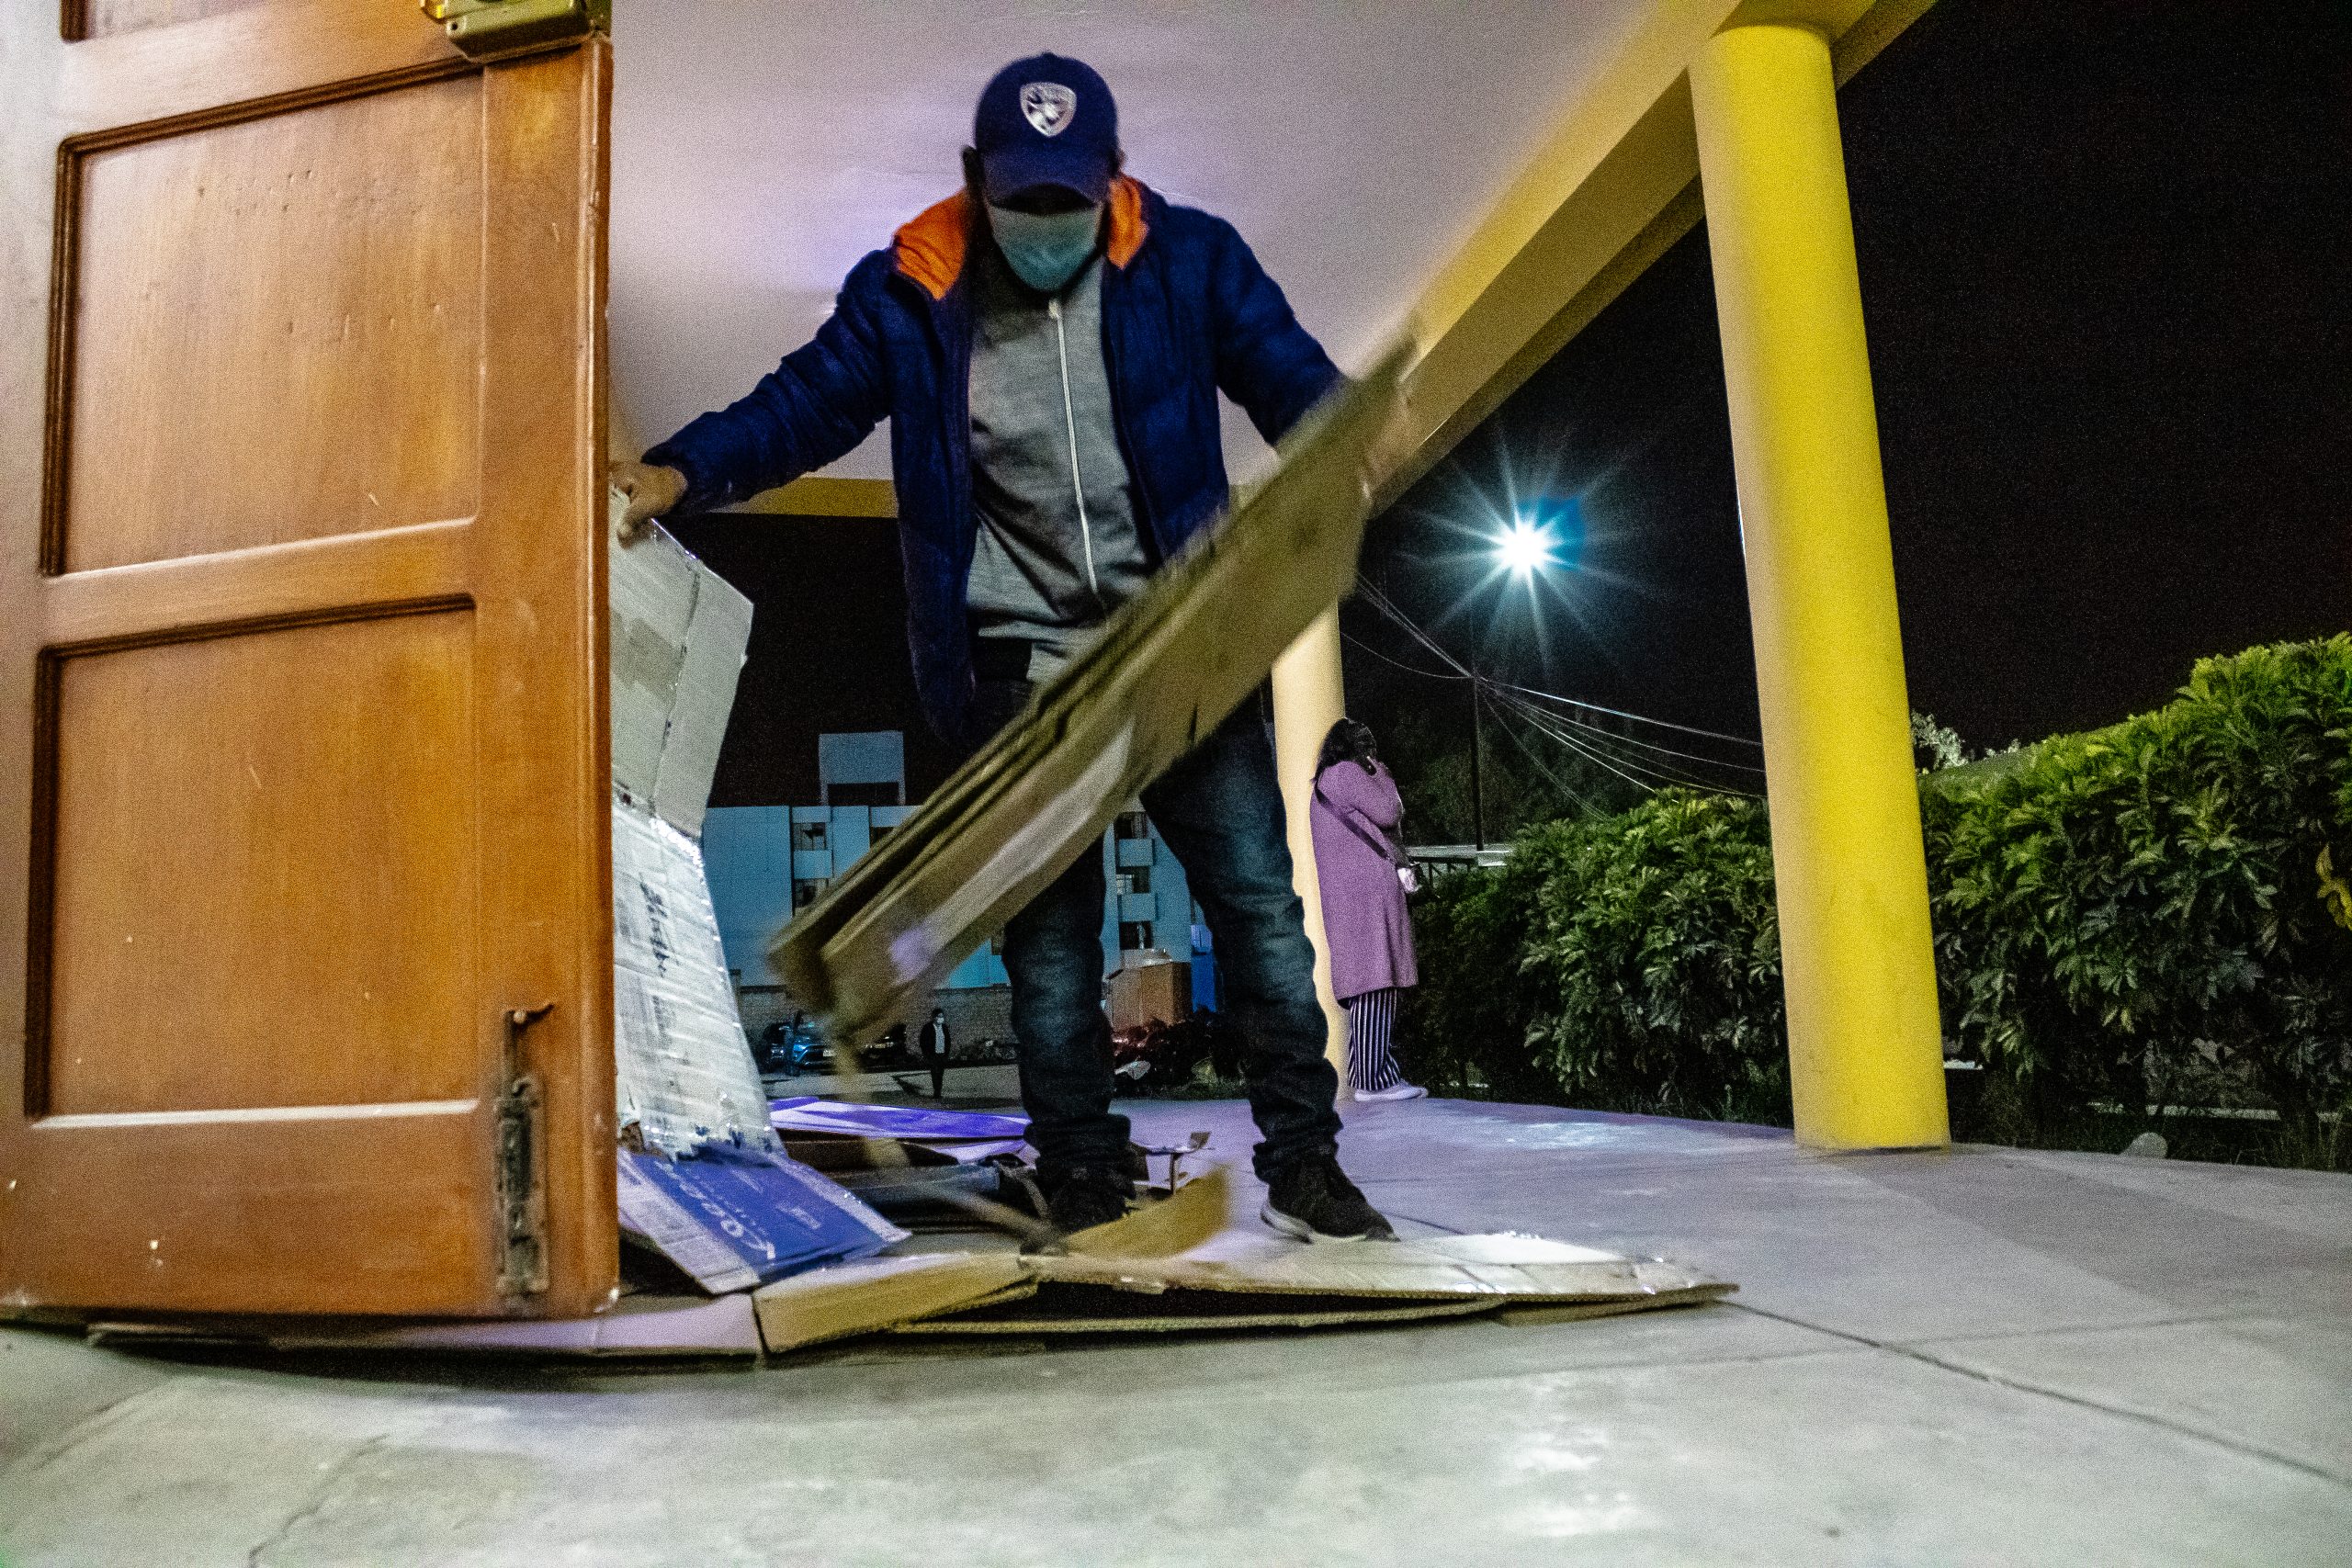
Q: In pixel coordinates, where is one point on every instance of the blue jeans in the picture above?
(1221, 812)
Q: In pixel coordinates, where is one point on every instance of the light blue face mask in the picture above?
(1045, 249)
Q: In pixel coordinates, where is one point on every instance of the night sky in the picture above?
(2104, 253)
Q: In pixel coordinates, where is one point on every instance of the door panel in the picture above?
(303, 762)
(347, 238)
(100, 18)
(326, 771)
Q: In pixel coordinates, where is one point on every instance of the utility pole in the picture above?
(1478, 746)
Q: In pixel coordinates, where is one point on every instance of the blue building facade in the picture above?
(767, 861)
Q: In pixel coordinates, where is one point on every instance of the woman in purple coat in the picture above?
(1364, 874)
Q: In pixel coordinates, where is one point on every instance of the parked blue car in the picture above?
(786, 1048)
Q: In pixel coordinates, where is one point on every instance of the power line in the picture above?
(1604, 746)
(1589, 748)
(1408, 669)
(1558, 783)
(1618, 713)
(1599, 734)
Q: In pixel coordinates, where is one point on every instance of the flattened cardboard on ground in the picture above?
(877, 1293)
(1186, 1264)
(734, 1223)
(637, 1327)
(1069, 1309)
(1522, 1270)
(1170, 667)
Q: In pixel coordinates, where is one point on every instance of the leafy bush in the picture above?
(1657, 954)
(1625, 963)
(1466, 1025)
(2142, 914)
(2138, 915)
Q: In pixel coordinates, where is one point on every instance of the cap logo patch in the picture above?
(1048, 107)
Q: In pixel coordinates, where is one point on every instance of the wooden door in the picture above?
(303, 760)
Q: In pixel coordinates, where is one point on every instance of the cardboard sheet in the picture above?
(807, 1113)
(685, 1071)
(637, 1327)
(717, 639)
(685, 1076)
(679, 634)
(861, 1298)
(1167, 669)
(1185, 1264)
(1519, 1269)
(734, 1223)
(1069, 1309)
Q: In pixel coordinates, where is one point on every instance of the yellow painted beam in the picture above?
(820, 495)
(1865, 1048)
(1607, 191)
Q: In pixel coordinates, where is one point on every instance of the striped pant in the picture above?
(1372, 1021)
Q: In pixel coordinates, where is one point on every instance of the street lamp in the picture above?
(1525, 548)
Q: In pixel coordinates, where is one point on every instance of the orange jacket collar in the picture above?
(930, 249)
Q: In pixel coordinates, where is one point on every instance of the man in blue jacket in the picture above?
(1049, 345)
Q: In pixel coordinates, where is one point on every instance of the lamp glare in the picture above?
(1523, 547)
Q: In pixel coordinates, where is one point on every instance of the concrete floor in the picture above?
(1988, 1357)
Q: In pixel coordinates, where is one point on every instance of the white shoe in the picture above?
(1394, 1092)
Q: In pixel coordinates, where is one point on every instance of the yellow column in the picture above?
(1308, 700)
(1865, 1051)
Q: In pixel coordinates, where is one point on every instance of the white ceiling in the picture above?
(762, 146)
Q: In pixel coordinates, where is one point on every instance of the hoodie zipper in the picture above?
(1070, 423)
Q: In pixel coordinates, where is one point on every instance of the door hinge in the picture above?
(522, 1177)
(494, 29)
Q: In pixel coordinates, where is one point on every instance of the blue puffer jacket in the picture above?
(1186, 311)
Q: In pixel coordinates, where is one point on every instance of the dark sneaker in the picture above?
(1085, 1198)
(1313, 1200)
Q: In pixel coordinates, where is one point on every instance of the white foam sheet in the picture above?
(679, 632)
(685, 1069)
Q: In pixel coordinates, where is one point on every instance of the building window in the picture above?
(810, 836)
(1134, 934)
(865, 795)
(1132, 825)
(805, 893)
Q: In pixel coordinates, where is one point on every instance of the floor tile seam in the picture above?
(1344, 1382)
(88, 1426)
(2182, 1192)
(2081, 1401)
(1652, 1364)
(312, 1505)
(1589, 1164)
(2193, 1320)
(2294, 1177)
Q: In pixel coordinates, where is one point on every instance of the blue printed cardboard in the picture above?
(810, 1115)
(736, 1219)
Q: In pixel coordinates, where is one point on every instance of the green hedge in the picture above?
(2142, 914)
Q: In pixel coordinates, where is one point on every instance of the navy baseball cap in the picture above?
(1046, 120)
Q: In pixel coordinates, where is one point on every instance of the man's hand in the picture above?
(652, 490)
